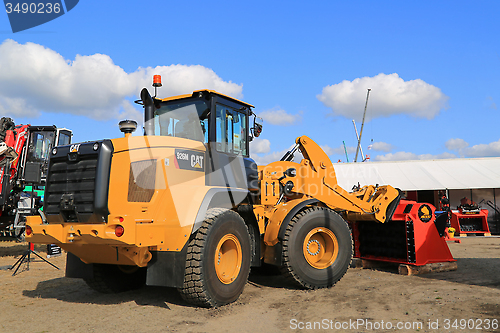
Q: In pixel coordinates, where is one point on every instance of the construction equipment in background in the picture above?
(185, 206)
(358, 147)
(470, 219)
(24, 152)
(363, 159)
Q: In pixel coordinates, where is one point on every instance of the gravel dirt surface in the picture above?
(41, 299)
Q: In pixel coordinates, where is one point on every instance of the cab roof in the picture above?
(173, 98)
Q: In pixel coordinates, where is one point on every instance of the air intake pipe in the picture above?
(149, 108)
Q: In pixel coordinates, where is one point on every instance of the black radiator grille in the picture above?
(75, 178)
(78, 183)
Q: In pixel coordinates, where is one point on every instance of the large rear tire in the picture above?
(317, 248)
(218, 260)
(110, 279)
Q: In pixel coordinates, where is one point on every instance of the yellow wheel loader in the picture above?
(184, 206)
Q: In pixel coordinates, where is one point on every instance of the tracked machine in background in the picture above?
(24, 153)
(184, 205)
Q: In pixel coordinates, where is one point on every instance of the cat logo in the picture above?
(197, 161)
(425, 213)
(74, 148)
(189, 160)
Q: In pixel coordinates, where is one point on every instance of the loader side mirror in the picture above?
(257, 126)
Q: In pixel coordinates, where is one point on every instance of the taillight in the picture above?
(119, 230)
(29, 231)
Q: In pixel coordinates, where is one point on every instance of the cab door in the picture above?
(229, 163)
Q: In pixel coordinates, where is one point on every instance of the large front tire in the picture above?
(317, 248)
(218, 260)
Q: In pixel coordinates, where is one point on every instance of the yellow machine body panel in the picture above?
(276, 218)
(151, 196)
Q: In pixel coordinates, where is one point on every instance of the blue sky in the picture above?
(433, 67)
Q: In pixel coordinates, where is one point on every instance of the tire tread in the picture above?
(194, 290)
(287, 269)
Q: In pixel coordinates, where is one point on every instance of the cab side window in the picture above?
(64, 139)
(231, 130)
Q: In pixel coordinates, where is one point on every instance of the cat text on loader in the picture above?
(184, 206)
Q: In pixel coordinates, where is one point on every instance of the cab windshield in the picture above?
(187, 120)
(40, 145)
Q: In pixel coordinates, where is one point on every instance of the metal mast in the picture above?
(362, 124)
(345, 149)
(357, 139)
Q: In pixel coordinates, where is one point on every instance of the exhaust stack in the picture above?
(149, 108)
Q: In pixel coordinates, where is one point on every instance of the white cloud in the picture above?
(15, 106)
(266, 159)
(279, 117)
(399, 156)
(260, 146)
(338, 150)
(456, 144)
(182, 79)
(390, 95)
(461, 146)
(491, 149)
(382, 146)
(406, 156)
(128, 111)
(444, 155)
(274, 156)
(34, 78)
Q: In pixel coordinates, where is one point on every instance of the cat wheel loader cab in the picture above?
(184, 206)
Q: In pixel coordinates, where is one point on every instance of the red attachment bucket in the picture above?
(413, 236)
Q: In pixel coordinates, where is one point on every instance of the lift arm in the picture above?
(315, 177)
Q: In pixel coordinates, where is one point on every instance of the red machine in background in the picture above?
(414, 236)
(13, 139)
(24, 154)
(470, 219)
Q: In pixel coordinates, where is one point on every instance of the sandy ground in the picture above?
(43, 300)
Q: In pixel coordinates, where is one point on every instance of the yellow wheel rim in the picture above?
(228, 258)
(320, 248)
